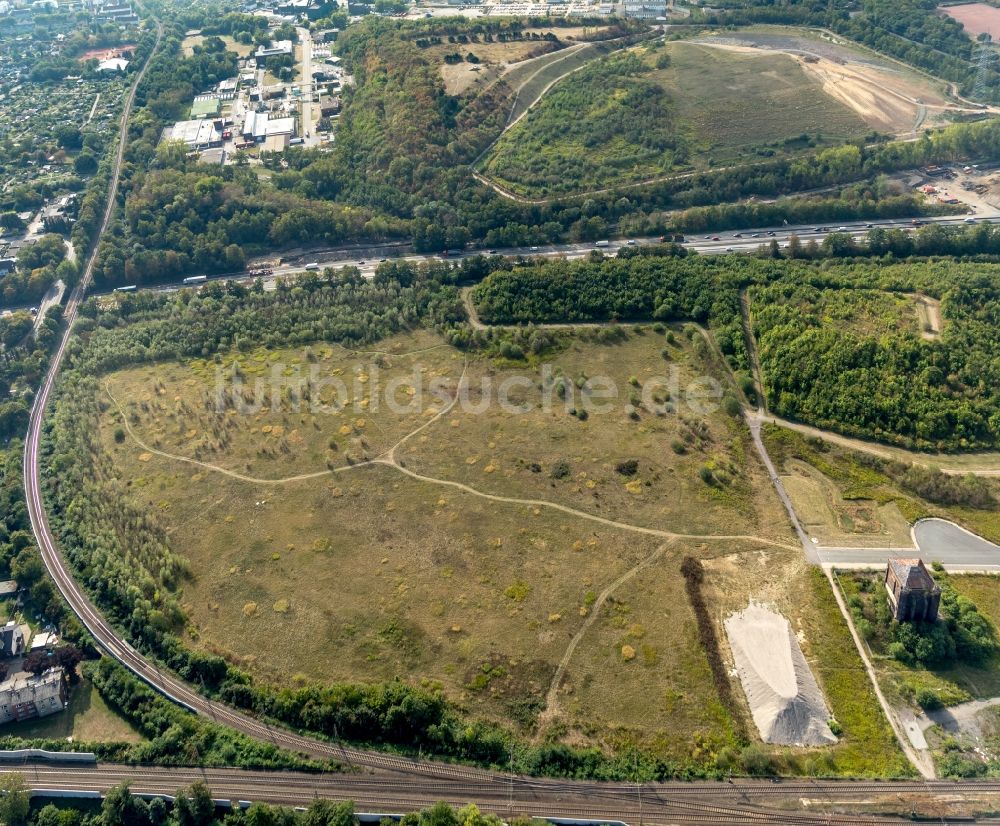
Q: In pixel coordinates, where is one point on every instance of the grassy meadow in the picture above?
(527, 562)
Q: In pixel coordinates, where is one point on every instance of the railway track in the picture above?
(662, 804)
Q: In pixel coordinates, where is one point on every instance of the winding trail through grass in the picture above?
(389, 459)
(552, 695)
(254, 480)
(602, 520)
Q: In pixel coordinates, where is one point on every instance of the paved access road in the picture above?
(936, 540)
(944, 541)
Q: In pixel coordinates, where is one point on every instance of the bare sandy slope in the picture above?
(787, 704)
(888, 101)
(874, 95)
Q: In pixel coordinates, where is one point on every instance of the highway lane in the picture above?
(367, 260)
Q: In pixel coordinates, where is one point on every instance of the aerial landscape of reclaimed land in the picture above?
(586, 411)
(726, 98)
(527, 563)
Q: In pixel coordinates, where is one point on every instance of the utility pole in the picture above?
(638, 785)
(983, 60)
(510, 787)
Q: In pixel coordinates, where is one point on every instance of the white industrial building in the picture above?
(259, 126)
(113, 64)
(646, 9)
(197, 134)
(276, 49)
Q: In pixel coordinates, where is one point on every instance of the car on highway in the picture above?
(361, 263)
(771, 233)
(631, 242)
(533, 249)
(738, 235)
(729, 249)
(869, 226)
(970, 220)
(716, 238)
(755, 235)
(491, 252)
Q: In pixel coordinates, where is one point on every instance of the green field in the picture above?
(673, 108)
(886, 490)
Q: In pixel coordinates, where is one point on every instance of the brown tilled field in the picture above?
(976, 18)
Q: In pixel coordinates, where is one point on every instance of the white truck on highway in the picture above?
(602, 243)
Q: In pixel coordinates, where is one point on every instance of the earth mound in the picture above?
(787, 704)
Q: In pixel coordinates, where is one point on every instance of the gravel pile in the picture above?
(787, 704)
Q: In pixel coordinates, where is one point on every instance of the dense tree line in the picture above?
(935, 486)
(175, 736)
(854, 203)
(147, 326)
(882, 380)
(39, 266)
(661, 284)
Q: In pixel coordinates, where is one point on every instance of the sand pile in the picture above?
(787, 705)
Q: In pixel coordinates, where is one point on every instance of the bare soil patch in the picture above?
(494, 59)
(869, 93)
(840, 522)
(887, 100)
(929, 314)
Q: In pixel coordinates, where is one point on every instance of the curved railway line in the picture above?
(392, 782)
